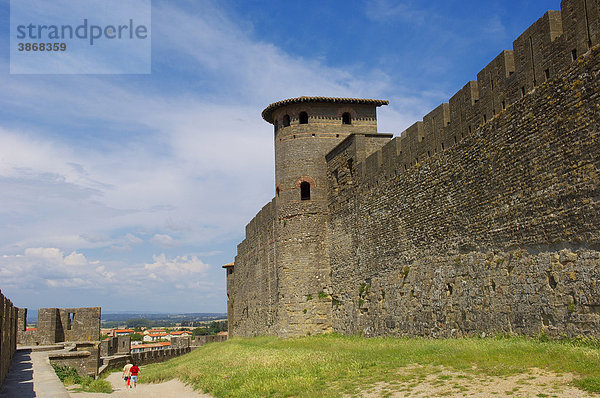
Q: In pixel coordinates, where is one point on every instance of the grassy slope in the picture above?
(330, 365)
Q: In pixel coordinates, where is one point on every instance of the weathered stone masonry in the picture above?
(484, 217)
(56, 325)
(8, 334)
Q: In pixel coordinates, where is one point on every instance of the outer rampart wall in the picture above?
(8, 334)
(252, 288)
(481, 217)
(499, 233)
(147, 357)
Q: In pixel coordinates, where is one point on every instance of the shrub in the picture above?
(68, 376)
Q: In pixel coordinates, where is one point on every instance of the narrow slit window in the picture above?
(286, 120)
(455, 140)
(277, 190)
(503, 105)
(71, 320)
(547, 74)
(303, 118)
(346, 118)
(522, 91)
(305, 190)
(574, 54)
(443, 146)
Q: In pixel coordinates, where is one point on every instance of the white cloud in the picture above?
(75, 259)
(384, 11)
(132, 239)
(164, 240)
(49, 253)
(177, 267)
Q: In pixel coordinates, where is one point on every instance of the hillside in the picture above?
(332, 365)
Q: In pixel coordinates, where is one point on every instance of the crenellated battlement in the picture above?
(541, 53)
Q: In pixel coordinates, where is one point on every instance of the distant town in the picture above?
(152, 332)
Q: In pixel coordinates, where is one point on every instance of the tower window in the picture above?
(303, 118)
(277, 190)
(305, 190)
(547, 74)
(574, 54)
(286, 120)
(346, 118)
(71, 320)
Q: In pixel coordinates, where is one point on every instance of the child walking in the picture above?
(135, 370)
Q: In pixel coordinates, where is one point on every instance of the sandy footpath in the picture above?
(442, 382)
(172, 388)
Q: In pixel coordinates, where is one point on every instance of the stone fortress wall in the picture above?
(8, 334)
(483, 217)
(282, 266)
(56, 325)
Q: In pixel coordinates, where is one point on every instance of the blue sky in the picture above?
(130, 191)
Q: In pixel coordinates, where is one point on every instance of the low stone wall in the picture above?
(8, 334)
(84, 357)
(199, 341)
(110, 363)
(145, 358)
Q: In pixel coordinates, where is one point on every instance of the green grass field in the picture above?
(332, 365)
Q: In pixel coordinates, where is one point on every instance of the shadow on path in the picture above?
(19, 380)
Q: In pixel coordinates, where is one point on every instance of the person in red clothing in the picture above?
(134, 371)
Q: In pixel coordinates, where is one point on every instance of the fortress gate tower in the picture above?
(280, 281)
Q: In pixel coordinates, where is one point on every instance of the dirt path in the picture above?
(170, 389)
(421, 382)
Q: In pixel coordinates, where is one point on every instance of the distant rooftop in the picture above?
(267, 114)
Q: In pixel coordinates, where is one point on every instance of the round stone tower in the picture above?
(306, 129)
